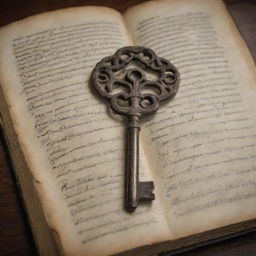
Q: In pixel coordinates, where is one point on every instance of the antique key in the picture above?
(134, 81)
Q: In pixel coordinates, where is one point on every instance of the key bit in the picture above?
(134, 81)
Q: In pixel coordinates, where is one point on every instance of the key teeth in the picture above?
(146, 191)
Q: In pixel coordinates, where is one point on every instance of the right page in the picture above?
(201, 145)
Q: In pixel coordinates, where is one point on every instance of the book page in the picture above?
(74, 149)
(203, 143)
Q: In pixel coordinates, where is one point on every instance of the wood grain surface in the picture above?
(15, 236)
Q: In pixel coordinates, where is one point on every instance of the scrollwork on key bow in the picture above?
(134, 80)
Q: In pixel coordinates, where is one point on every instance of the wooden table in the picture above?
(15, 236)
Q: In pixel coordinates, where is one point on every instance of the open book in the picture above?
(200, 149)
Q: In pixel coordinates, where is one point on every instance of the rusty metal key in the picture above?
(134, 81)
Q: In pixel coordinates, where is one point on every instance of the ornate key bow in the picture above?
(134, 81)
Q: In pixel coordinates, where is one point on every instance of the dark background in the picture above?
(15, 236)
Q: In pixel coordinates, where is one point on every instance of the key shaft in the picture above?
(132, 163)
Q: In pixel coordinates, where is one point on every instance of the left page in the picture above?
(74, 150)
